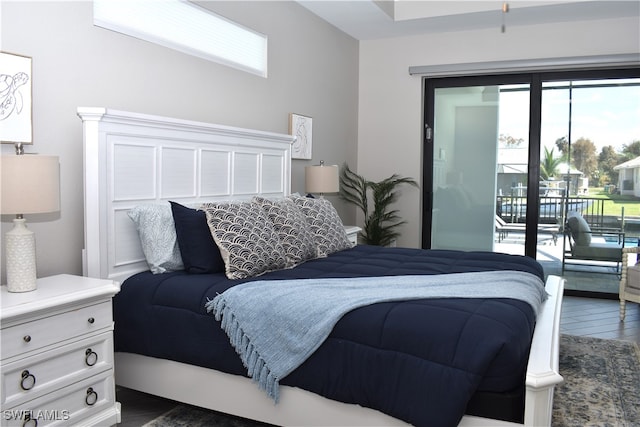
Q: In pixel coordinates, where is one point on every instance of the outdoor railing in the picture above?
(552, 209)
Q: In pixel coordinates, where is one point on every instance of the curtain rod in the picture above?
(522, 65)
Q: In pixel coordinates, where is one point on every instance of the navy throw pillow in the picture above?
(199, 251)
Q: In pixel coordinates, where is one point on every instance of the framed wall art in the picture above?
(16, 124)
(301, 128)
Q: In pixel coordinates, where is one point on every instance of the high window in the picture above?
(188, 28)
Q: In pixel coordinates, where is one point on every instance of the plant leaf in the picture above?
(380, 225)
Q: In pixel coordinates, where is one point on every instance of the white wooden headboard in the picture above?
(132, 158)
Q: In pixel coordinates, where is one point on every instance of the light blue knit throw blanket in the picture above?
(275, 325)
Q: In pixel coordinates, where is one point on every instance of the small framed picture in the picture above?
(301, 128)
(16, 123)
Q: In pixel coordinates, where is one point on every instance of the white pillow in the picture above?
(157, 233)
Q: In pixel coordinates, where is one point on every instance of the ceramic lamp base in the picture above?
(21, 258)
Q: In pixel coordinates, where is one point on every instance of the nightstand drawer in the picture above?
(29, 336)
(89, 402)
(43, 373)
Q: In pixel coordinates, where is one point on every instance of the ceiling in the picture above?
(369, 19)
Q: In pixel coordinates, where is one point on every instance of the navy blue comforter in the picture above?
(405, 359)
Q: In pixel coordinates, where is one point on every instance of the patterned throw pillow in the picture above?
(290, 224)
(248, 242)
(157, 233)
(325, 224)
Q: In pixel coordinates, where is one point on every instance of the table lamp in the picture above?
(321, 179)
(30, 184)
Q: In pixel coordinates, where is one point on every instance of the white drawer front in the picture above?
(43, 373)
(70, 405)
(29, 336)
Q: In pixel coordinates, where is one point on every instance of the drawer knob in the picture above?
(91, 320)
(28, 380)
(26, 338)
(90, 357)
(92, 397)
(29, 422)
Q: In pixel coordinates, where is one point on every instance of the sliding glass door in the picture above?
(477, 135)
(506, 156)
(480, 146)
(590, 136)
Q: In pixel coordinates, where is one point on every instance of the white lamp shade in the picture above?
(321, 179)
(30, 184)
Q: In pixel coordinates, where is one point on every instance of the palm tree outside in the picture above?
(549, 164)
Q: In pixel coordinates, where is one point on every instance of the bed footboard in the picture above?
(543, 371)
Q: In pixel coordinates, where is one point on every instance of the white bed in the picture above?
(131, 158)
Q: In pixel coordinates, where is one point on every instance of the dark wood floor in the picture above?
(600, 318)
(580, 316)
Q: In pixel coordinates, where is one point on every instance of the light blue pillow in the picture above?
(157, 233)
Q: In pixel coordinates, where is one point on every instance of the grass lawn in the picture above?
(616, 202)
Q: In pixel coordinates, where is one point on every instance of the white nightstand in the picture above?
(352, 233)
(57, 354)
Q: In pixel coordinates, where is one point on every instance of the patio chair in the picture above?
(588, 243)
(503, 228)
(629, 281)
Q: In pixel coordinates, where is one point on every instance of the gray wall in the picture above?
(312, 68)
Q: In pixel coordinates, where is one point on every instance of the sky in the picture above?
(605, 115)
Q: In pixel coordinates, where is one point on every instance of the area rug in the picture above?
(601, 383)
(601, 388)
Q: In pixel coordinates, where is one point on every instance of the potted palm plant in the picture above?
(380, 223)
